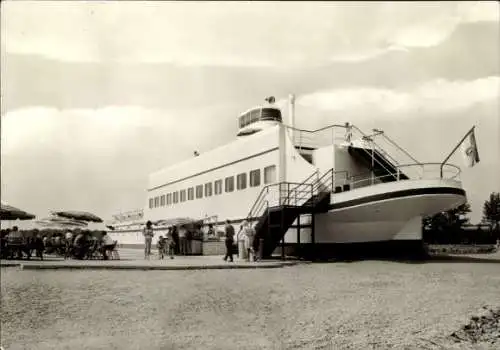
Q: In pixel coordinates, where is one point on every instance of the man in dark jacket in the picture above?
(229, 241)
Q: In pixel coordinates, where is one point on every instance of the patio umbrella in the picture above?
(8, 212)
(175, 221)
(60, 222)
(78, 215)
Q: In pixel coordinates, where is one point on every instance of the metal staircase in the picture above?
(292, 201)
(384, 165)
(383, 168)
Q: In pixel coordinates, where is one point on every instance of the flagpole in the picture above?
(454, 150)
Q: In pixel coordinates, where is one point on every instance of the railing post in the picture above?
(398, 173)
(333, 181)
(298, 230)
(373, 164)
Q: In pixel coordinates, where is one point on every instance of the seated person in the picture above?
(211, 232)
(107, 244)
(15, 242)
(38, 245)
(161, 245)
(80, 245)
(68, 240)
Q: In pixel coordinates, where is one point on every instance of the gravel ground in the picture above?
(358, 305)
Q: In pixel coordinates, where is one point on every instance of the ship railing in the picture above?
(431, 171)
(306, 139)
(345, 134)
(281, 194)
(396, 157)
(303, 187)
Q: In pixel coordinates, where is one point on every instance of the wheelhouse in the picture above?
(260, 114)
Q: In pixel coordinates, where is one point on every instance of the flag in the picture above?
(469, 150)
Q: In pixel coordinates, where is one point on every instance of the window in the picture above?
(229, 184)
(241, 181)
(271, 114)
(270, 174)
(183, 195)
(151, 203)
(162, 200)
(208, 189)
(255, 178)
(169, 199)
(199, 191)
(157, 202)
(176, 197)
(218, 187)
(190, 193)
(255, 115)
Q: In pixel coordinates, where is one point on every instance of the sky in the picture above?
(97, 95)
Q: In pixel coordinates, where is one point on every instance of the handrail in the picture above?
(459, 171)
(379, 148)
(325, 175)
(352, 126)
(379, 163)
(265, 188)
(260, 198)
(353, 179)
(399, 147)
(331, 126)
(305, 181)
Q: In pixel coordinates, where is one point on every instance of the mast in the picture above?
(291, 112)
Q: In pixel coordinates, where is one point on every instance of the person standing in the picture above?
(210, 232)
(107, 245)
(148, 234)
(175, 238)
(249, 236)
(161, 245)
(229, 241)
(170, 242)
(183, 240)
(69, 244)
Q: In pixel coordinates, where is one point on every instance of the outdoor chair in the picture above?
(113, 251)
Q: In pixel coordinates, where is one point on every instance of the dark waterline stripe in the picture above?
(397, 194)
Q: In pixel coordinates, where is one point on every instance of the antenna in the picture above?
(291, 111)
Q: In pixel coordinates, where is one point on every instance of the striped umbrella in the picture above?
(175, 221)
(8, 212)
(54, 221)
(78, 215)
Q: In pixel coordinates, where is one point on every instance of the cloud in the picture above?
(98, 159)
(433, 96)
(88, 132)
(229, 34)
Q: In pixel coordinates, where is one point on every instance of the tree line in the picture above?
(453, 226)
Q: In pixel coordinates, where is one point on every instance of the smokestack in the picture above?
(291, 111)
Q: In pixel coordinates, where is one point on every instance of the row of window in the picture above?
(215, 187)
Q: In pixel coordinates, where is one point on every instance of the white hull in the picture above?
(382, 212)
